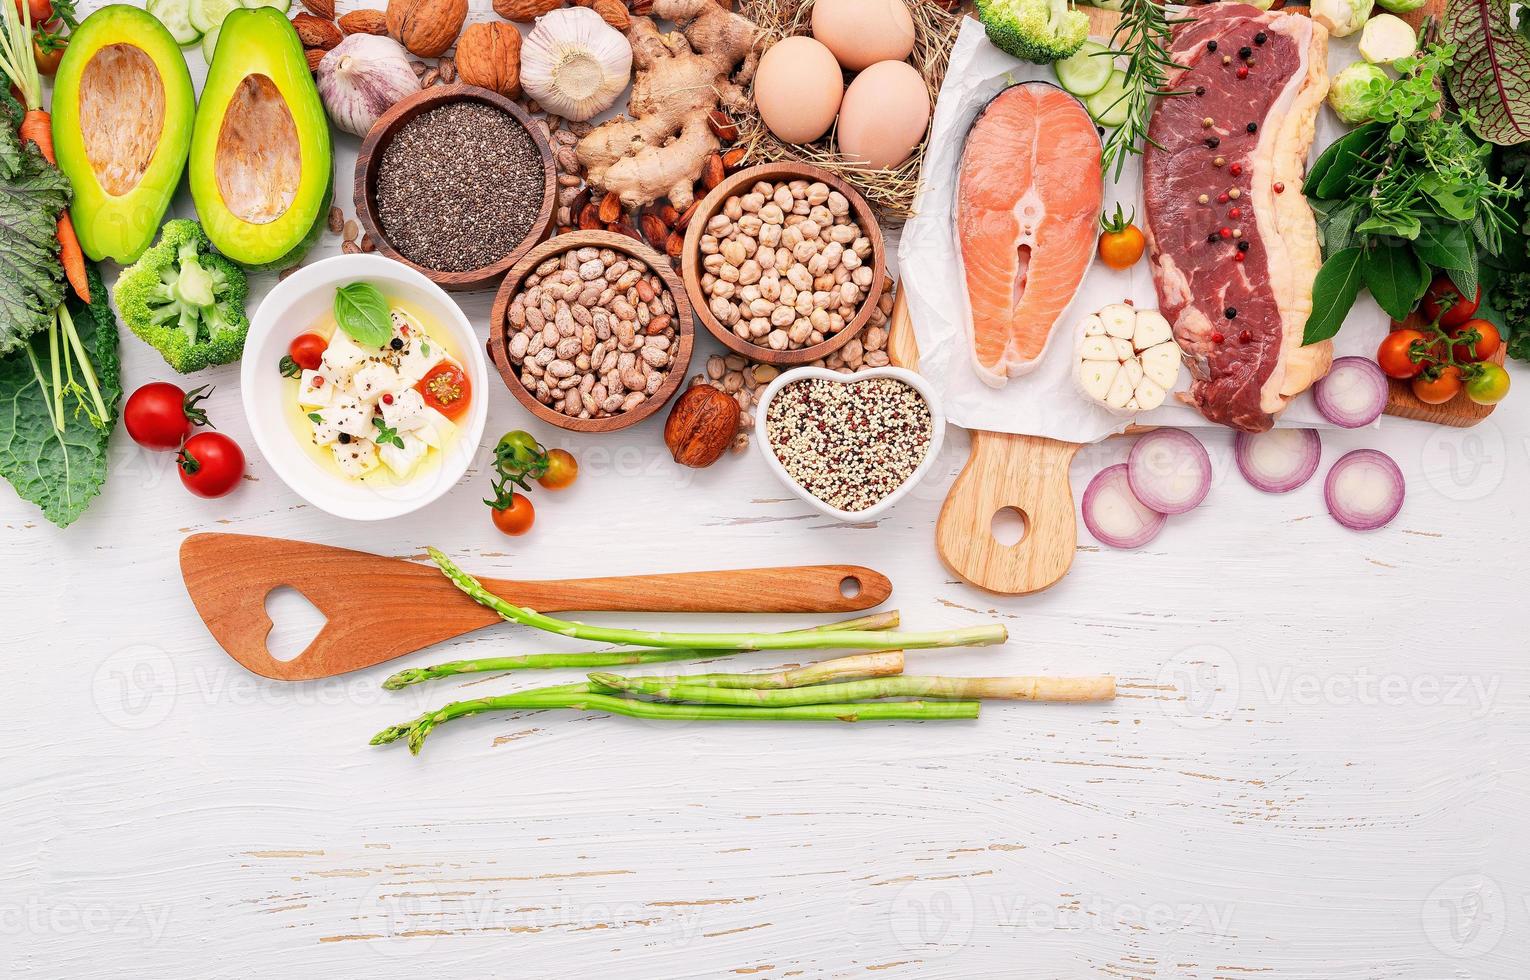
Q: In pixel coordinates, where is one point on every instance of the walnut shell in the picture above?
(316, 32)
(489, 56)
(367, 20)
(426, 27)
(701, 425)
(525, 11)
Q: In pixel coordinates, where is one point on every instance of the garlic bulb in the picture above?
(574, 63)
(362, 77)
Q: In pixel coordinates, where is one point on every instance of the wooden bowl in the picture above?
(739, 183)
(369, 160)
(685, 328)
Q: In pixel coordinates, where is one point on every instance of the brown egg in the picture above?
(884, 114)
(863, 32)
(798, 88)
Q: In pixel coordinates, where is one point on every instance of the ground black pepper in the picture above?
(459, 187)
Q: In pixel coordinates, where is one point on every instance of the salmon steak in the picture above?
(1232, 243)
(1028, 199)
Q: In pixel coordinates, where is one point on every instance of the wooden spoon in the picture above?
(378, 608)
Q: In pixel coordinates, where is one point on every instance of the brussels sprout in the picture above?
(1401, 6)
(1386, 38)
(1341, 17)
(1354, 92)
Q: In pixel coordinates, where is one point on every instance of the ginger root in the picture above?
(680, 78)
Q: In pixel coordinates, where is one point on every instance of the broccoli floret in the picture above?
(1042, 31)
(184, 300)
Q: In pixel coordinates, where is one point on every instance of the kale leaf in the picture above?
(32, 194)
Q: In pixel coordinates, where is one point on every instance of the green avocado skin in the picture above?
(260, 42)
(121, 225)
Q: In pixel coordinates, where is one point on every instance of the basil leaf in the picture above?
(1333, 293)
(1445, 246)
(1396, 278)
(362, 312)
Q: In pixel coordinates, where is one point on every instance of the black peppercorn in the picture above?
(397, 343)
(1213, 142)
(1243, 246)
(1253, 127)
(1230, 312)
(1261, 37)
(1245, 52)
(1213, 238)
(345, 438)
(1211, 45)
(1200, 90)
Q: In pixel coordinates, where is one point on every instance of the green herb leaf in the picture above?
(1450, 195)
(1338, 229)
(362, 312)
(1491, 81)
(1401, 225)
(1445, 246)
(1331, 173)
(1395, 277)
(1466, 278)
(288, 367)
(315, 418)
(386, 436)
(1333, 293)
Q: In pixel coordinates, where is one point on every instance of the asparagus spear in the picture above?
(606, 658)
(963, 688)
(798, 640)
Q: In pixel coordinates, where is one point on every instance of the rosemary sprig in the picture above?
(1143, 35)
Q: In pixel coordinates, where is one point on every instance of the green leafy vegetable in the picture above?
(1395, 277)
(32, 194)
(1491, 80)
(362, 312)
(1333, 293)
(59, 471)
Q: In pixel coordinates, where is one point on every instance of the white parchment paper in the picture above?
(1045, 402)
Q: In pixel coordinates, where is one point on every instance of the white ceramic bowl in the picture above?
(937, 433)
(290, 309)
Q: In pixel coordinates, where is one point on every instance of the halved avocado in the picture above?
(122, 115)
(261, 166)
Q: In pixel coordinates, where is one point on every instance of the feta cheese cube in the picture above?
(403, 459)
(315, 390)
(414, 363)
(342, 357)
(325, 431)
(356, 458)
(405, 411)
(350, 416)
(375, 379)
(436, 429)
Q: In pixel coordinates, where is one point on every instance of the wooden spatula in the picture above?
(378, 608)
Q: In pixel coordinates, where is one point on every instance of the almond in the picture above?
(684, 221)
(668, 214)
(723, 126)
(489, 56)
(316, 32)
(324, 9)
(654, 229)
(613, 12)
(734, 158)
(314, 56)
(712, 172)
(589, 218)
(367, 20)
(674, 245)
(426, 27)
(525, 11)
(610, 207)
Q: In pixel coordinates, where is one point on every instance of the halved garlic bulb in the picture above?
(575, 64)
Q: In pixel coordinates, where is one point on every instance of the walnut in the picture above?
(316, 32)
(701, 426)
(426, 27)
(489, 56)
(367, 20)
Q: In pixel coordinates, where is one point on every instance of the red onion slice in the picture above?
(1364, 490)
(1353, 393)
(1169, 471)
(1279, 460)
(1114, 515)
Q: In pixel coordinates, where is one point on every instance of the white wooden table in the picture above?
(1316, 767)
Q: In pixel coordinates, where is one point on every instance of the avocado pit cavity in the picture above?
(259, 162)
(122, 115)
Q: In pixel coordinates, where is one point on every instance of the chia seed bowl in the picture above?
(459, 158)
(890, 437)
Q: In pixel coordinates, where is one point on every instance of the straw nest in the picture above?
(891, 192)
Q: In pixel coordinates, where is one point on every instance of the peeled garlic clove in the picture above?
(361, 78)
(574, 64)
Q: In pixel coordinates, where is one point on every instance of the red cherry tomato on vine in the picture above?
(1439, 389)
(1489, 386)
(1395, 354)
(160, 416)
(562, 468)
(1442, 293)
(515, 519)
(211, 464)
(446, 389)
(1485, 346)
(42, 11)
(307, 350)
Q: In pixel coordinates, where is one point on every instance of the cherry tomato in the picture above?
(1122, 249)
(1442, 293)
(561, 470)
(42, 11)
(515, 519)
(211, 464)
(446, 389)
(307, 351)
(159, 415)
(1489, 386)
(48, 61)
(1394, 354)
(1439, 389)
(1483, 348)
(520, 447)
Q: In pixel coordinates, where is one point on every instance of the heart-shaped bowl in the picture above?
(910, 378)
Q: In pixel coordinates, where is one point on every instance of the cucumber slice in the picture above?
(207, 14)
(176, 16)
(210, 44)
(1087, 70)
(1108, 105)
(281, 5)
